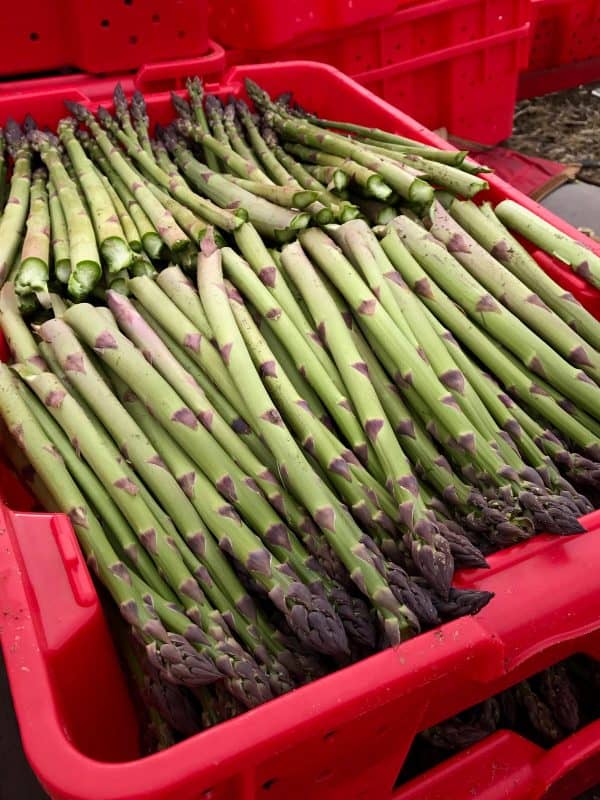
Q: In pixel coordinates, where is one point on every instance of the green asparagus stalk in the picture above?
(85, 259)
(243, 678)
(180, 289)
(407, 185)
(429, 549)
(194, 343)
(207, 560)
(233, 129)
(336, 401)
(122, 111)
(286, 196)
(460, 438)
(3, 172)
(98, 498)
(151, 241)
(582, 260)
(264, 263)
(320, 627)
(516, 296)
(12, 222)
(214, 116)
(454, 158)
(129, 229)
(332, 177)
(341, 209)
(18, 336)
(61, 261)
(454, 179)
(171, 234)
(327, 513)
(110, 236)
(292, 513)
(224, 408)
(140, 121)
(234, 162)
(501, 323)
(278, 223)
(376, 212)
(261, 147)
(364, 177)
(514, 380)
(196, 94)
(170, 652)
(35, 256)
(483, 225)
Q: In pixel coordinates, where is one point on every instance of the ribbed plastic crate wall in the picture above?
(107, 36)
(564, 31)
(448, 63)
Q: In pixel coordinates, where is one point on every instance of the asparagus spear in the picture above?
(140, 121)
(501, 323)
(18, 336)
(286, 196)
(233, 129)
(395, 176)
(171, 652)
(196, 94)
(151, 241)
(516, 296)
(486, 228)
(496, 360)
(214, 116)
(335, 205)
(180, 289)
(85, 259)
(243, 677)
(111, 240)
(429, 550)
(335, 400)
(327, 513)
(35, 256)
(271, 220)
(3, 172)
(319, 626)
(12, 223)
(583, 261)
(195, 344)
(459, 437)
(234, 162)
(333, 178)
(60, 238)
(369, 180)
(171, 234)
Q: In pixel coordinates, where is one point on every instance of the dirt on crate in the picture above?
(563, 126)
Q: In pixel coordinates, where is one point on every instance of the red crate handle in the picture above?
(153, 77)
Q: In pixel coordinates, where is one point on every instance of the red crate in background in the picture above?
(344, 737)
(265, 24)
(107, 36)
(565, 46)
(447, 63)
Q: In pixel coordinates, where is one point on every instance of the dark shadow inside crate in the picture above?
(545, 709)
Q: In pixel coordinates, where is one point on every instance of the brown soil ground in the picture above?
(563, 127)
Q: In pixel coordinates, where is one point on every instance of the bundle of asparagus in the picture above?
(276, 462)
(546, 708)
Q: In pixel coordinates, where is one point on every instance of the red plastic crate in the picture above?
(265, 24)
(448, 63)
(107, 36)
(346, 735)
(565, 46)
